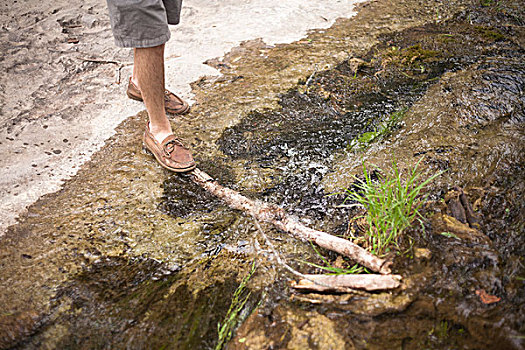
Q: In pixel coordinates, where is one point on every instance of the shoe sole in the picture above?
(179, 113)
(133, 97)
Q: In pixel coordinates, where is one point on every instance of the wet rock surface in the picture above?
(139, 293)
(464, 98)
(130, 255)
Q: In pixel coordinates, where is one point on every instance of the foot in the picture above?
(171, 153)
(172, 103)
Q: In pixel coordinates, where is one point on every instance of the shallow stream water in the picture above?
(130, 256)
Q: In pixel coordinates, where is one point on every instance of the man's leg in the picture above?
(148, 70)
(143, 25)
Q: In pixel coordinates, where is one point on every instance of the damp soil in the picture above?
(128, 255)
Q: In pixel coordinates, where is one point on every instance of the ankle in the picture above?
(160, 131)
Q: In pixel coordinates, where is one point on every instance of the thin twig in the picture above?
(280, 260)
(119, 70)
(100, 61)
(311, 77)
(349, 205)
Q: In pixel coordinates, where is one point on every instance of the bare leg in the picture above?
(148, 74)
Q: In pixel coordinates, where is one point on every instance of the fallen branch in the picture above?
(277, 216)
(347, 283)
(329, 283)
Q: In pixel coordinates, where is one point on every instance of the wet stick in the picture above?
(330, 283)
(277, 216)
(347, 283)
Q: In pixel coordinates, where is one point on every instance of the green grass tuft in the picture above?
(332, 270)
(489, 34)
(382, 131)
(232, 318)
(487, 3)
(392, 204)
(450, 235)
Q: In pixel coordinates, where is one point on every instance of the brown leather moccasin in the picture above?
(173, 103)
(171, 153)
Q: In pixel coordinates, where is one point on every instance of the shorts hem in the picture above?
(142, 43)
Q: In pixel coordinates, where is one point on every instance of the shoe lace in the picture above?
(169, 147)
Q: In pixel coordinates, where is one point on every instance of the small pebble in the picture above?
(422, 253)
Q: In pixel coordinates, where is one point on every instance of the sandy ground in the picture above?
(63, 80)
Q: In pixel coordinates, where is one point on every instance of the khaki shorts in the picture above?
(142, 23)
